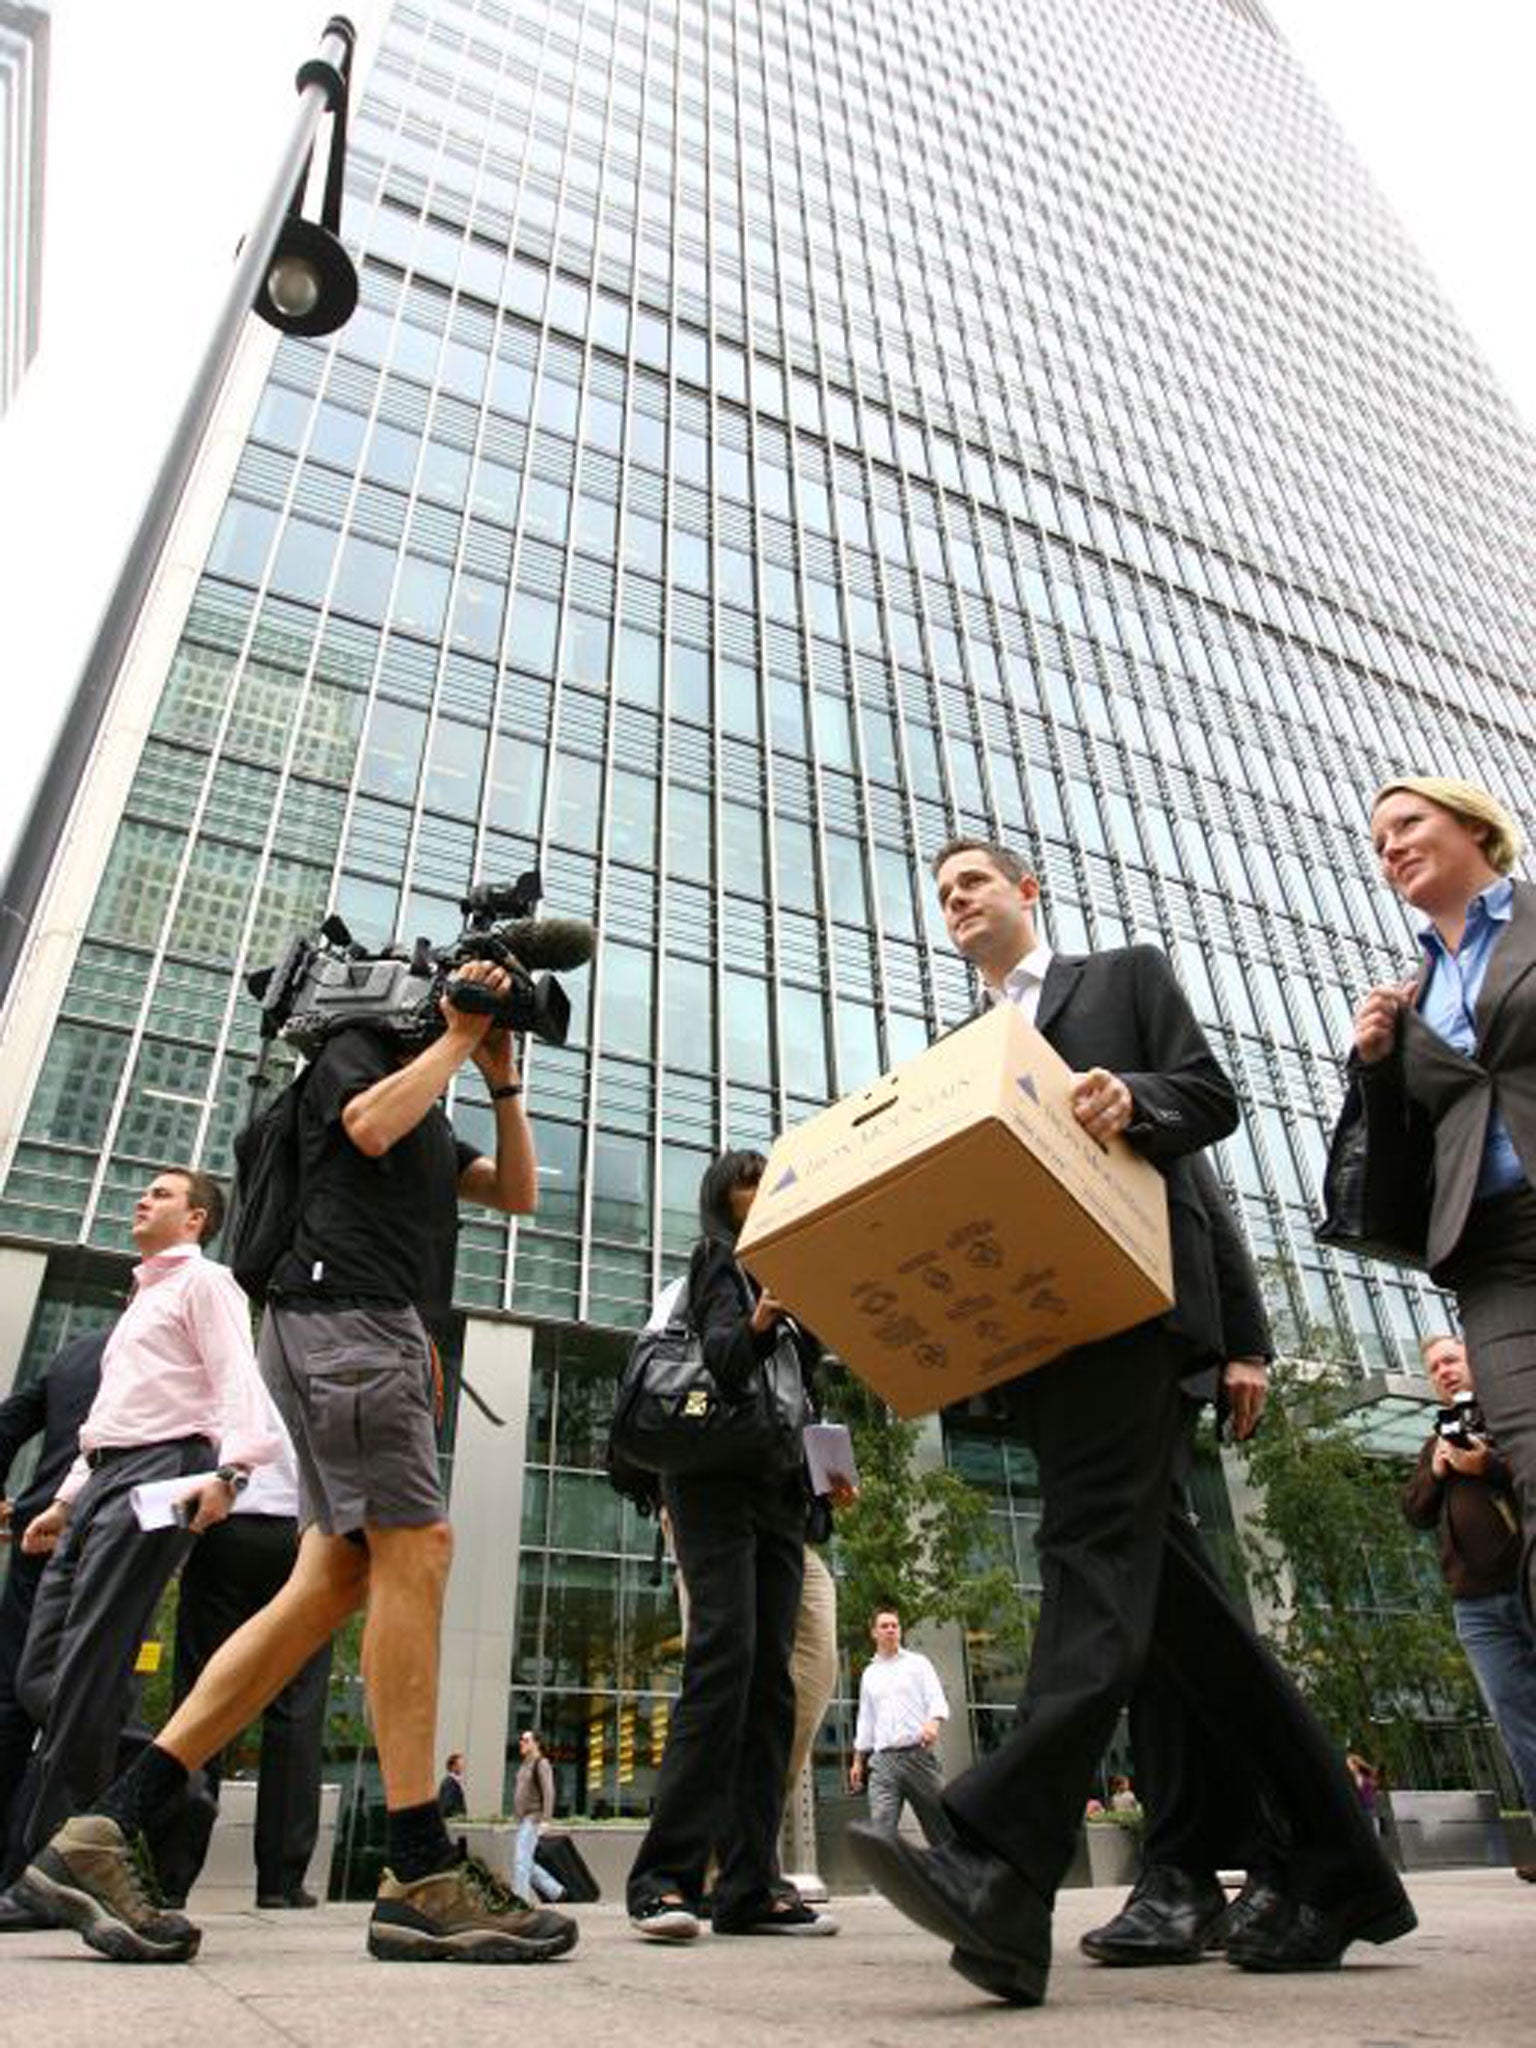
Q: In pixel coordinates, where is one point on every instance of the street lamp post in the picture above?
(297, 276)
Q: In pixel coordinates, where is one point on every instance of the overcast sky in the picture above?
(165, 118)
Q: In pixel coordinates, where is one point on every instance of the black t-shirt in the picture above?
(381, 1229)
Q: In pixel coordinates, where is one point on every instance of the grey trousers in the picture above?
(94, 1603)
(912, 1776)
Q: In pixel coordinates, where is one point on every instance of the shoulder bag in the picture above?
(671, 1416)
(1377, 1183)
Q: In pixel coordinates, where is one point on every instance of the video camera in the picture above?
(327, 982)
(1461, 1422)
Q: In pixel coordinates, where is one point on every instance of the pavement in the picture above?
(262, 1979)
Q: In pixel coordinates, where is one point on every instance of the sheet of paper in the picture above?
(154, 1503)
(829, 1456)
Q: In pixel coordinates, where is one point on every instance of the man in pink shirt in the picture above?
(179, 1395)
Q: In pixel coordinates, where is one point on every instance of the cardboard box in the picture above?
(954, 1225)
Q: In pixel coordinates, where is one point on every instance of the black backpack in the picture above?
(265, 1216)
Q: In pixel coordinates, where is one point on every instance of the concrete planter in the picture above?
(607, 1847)
(1114, 1853)
(1447, 1830)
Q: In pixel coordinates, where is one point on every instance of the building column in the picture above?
(486, 1507)
(1270, 1614)
(943, 1643)
(22, 1274)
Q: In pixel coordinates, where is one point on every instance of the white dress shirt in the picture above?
(1022, 983)
(179, 1363)
(897, 1697)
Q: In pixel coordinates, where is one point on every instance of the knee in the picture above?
(436, 1549)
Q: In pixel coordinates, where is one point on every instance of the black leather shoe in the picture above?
(999, 1926)
(277, 1902)
(1258, 1901)
(1285, 1934)
(1168, 1918)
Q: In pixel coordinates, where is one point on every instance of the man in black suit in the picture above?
(1124, 1578)
(54, 1403)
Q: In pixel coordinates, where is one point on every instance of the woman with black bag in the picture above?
(1452, 1053)
(739, 1536)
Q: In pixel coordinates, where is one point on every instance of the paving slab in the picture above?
(303, 1979)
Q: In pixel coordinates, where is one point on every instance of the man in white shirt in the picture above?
(901, 1710)
(179, 1395)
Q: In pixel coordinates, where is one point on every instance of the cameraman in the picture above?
(1464, 1486)
(346, 1352)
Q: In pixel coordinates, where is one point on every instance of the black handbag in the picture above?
(672, 1417)
(1377, 1183)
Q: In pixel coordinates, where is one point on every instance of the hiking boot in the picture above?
(462, 1915)
(92, 1878)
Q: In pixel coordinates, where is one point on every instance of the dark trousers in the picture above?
(235, 1569)
(1201, 1805)
(17, 1729)
(1127, 1585)
(1493, 1271)
(740, 1543)
(94, 1603)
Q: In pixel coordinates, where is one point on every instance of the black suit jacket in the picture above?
(1245, 1327)
(1458, 1092)
(56, 1402)
(1124, 1010)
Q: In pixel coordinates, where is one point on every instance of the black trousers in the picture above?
(234, 1570)
(94, 1603)
(1202, 1809)
(741, 1544)
(1128, 1587)
(1493, 1271)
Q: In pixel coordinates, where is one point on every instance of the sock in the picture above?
(151, 1782)
(416, 1842)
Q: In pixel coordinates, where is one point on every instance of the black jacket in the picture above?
(721, 1297)
(56, 1402)
(1459, 1093)
(1125, 1011)
(1245, 1326)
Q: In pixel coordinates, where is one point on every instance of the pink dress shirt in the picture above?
(180, 1363)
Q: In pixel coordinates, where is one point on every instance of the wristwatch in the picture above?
(235, 1477)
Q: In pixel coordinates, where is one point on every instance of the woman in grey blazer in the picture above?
(1458, 1044)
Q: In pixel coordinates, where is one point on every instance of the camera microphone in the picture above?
(555, 944)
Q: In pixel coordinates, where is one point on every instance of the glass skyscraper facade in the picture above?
(775, 436)
(24, 44)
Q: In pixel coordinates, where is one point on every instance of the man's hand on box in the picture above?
(1101, 1102)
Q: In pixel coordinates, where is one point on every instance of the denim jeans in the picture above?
(1501, 1648)
(527, 1877)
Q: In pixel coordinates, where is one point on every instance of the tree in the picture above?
(1367, 1632)
(925, 1540)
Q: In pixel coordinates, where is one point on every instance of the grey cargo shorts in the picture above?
(355, 1387)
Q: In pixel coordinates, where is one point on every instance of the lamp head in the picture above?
(311, 284)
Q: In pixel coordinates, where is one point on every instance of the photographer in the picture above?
(346, 1352)
(1464, 1487)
